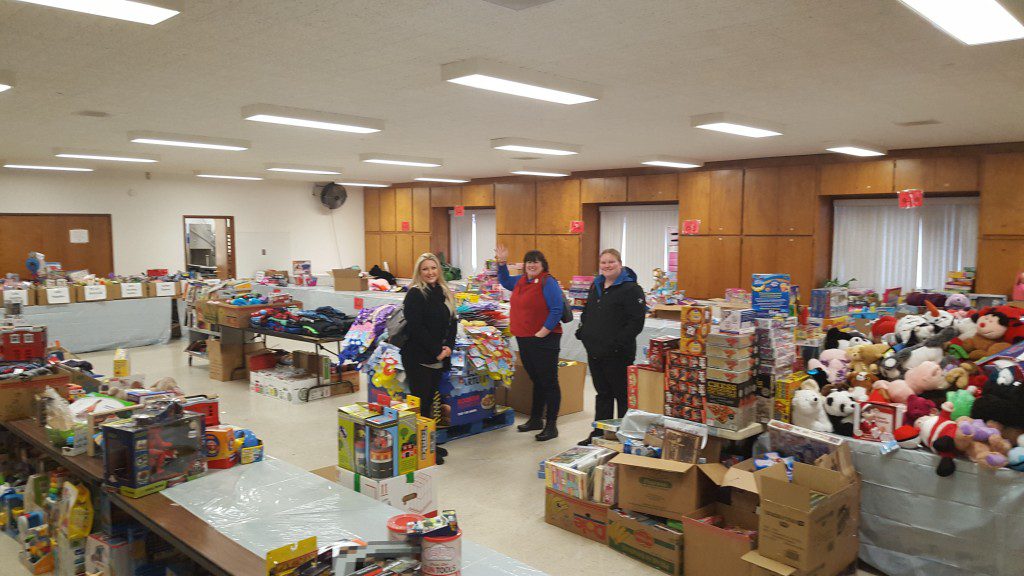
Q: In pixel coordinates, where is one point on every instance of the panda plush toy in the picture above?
(840, 406)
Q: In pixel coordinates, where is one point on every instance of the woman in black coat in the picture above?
(611, 321)
(430, 326)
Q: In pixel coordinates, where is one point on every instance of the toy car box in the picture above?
(152, 450)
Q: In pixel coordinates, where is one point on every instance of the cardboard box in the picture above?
(27, 296)
(660, 487)
(736, 321)
(286, 384)
(52, 296)
(720, 352)
(679, 359)
(722, 550)
(729, 375)
(348, 279)
(588, 519)
(238, 316)
(734, 364)
(162, 289)
(17, 397)
(761, 566)
(693, 346)
(90, 293)
(646, 540)
(377, 445)
(730, 340)
(730, 417)
(667, 311)
(426, 442)
(874, 420)
(127, 290)
(645, 389)
(572, 379)
(770, 294)
(810, 523)
(658, 349)
(415, 492)
(227, 361)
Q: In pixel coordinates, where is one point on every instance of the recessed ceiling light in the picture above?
(311, 119)
(735, 124)
(187, 141)
(448, 180)
(857, 149)
(970, 21)
(301, 169)
(377, 158)
(365, 184)
(672, 162)
(541, 172)
(148, 12)
(40, 167)
(534, 146)
(6, 80)
(97, 155)
(498, 77)
(200, 174)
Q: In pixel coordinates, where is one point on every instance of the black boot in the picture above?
(549, 432)
(441, 455)
(589, 439)
(531, 424)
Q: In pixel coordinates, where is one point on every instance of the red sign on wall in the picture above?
(576, 227)
(359, 303)
(911, 198)
(406, 226)
(460, 210)
(691, 227)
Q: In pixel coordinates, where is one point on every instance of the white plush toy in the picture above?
(808, 408)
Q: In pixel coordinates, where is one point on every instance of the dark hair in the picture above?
(536, 256)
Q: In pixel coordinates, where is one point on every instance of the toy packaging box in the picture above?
(415, 492)
(874, 421)
(352, 437)
(377, 445)
(657, 350)
(154, 449)
(722, 352)
(467, 398)
(770, 294)
(645, 389)
(736, 321)
(722, 340)
(646, 540)
(696, 323)
(426, 442)
(678, 359)
(784, 389)
(829, 302)
(583, 517)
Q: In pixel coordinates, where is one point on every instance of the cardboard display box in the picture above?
(91, 293)
(588, 519)
(283, 385)
(238, 316)
(572, 378)
(667, 311)
(162, 289)
(26, 297)
(51, 296)
(126, 290)
(645, 389)
(722, 550)
(660, 487)
(227, 361)
(414, 492)
(17, 397)
(347, 279)
(645, 540)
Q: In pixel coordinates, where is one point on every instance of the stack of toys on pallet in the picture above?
(960, 281)
(299, 377)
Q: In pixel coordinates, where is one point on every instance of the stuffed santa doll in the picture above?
(937, 432)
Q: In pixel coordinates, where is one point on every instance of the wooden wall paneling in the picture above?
(371, 210)
(710, 264)
(518, 245)
(797, 200)
(421, 209)
(590, 240)
(603, 190)
(478, 195)
(50, 234)
(950, 174)
(558, 204)
(1002, 193)
(912, 173)
(758, 257)
(440, 232)
(388, 216)
(761, 201)
(652, 188)
(822, 241)
(404, 258)
(445, 196)
(1000, 260)
(795, 256)
(850, 178)
(695, 198)
(516, 207)
(563, 254)
(420, 245)
(372, 250)
(388, 251)
(725, 202)
(403, 207)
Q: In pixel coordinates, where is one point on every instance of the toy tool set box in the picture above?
(377, 441)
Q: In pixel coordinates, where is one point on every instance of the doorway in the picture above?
(210, 246)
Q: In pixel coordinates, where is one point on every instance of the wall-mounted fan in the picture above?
(333, 195)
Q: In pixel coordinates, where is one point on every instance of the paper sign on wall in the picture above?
(58, 295)
(691, 227)
(164, 288)
(17, 296)
(79, 236)
(131, 290)
(576, 227)
(406, 226)
(460, 210)
(912, 198)
(94, 292)
(358, 303)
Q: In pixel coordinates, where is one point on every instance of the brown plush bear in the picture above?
(993, 324)
(863, 358)
(865, 380)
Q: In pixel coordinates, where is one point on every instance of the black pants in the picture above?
(424, 384)
(609, 376)
(540, 358)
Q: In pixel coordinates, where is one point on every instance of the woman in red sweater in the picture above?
(536, 309)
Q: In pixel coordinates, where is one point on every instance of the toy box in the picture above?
(696, 323)
(467, 398)
(736, 321)
(112, 556)
(720, 352)
(657, 350)
(645, 389)
(729, 375)
(770, 294)
(415, 492)
(693, 346)
(586, 518)
(745, 340)
(735, 364)
(679, 359)
(829, 302)
(730, 417)
(784, 389)
(22, 343)
(644, 539)
(159, 446)
(377, 444)
(352, 437)
(874, 421)
(426, 442)
(825, 324)
(219, 447)
(686, 375)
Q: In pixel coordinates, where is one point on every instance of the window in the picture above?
(642, 235)
(884, 246)
(15, 339)
(474, 236)
(29, 339)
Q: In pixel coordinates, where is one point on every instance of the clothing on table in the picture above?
(540, 359)
(534, 304)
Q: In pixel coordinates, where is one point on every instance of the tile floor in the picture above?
(490, 479)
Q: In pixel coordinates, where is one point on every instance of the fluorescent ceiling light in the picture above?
(498, 77)
(6, 80)
(148, 12)
(970, 21)
(672, 162)
(734, 124)
(39, 167)
(857, 149)
(225, 176)
(448, 180)
(311, 119)
(301, 169)
(187, 141)
(97, 155)
(365, 184)
(534, 146)
(377, 158)
(541, 172)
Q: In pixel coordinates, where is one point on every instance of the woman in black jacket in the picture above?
(611, 321)
(430, 325)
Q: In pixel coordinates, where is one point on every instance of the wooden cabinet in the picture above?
(478, 195)
(388, 250)
(404, 258)
(654, 188)
(850, 178)
(372, 250)
(563, 254)
(603, 190)
(999, 261)
(1002, 196)
(709, 264)
(420, 245)
(388, 219)
(793, 255)
(371, 210)
(445, 196)
(518, 244)
(694, 198)
(421, 209)
(558, 204)
(713, 197)
(779, 200)
(403, 208)
(953, 174)
(516, 207)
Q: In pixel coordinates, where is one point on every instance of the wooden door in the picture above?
(709, 264)
(371, 210)
(761, 202)
(999, 262)
(793, 255)
(563, 254)
(403, 209)
(725, 202)
(421, 209)
(518, 245)
(603, 190)
(50, 234)
(388, 216)
(558, 204)
(1002, 192)
(445, 196)
(694, 198)
(515, 206)
(797, 200)
(653, 188)
(952, 174)
(372, 250)
(420, 245)
(478, 195)
(388, 251)
(851, 178)
(404, 258)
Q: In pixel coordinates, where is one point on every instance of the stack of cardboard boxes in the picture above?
(830, 308)
(686, 379)
(776, 355)
(731, 402)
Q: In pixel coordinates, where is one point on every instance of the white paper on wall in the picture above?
(79, 236)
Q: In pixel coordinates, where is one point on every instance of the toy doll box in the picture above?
(140, 459)
(874, 421)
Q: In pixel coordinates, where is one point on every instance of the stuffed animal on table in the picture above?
(937, 434)
(883, 329)
(834, 363)
(660, 279)
(840, 406)
(961, 376)
(864, 357)
(808, 408)
(932, 349)
(918, 406)
(1002, 396)
(996, 328)
(865, 380)
(958, 302)
(983, 444)
(958, 403)
(836, 339)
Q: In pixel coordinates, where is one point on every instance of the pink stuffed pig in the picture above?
(925, 377)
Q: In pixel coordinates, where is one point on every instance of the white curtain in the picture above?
(473, 237)
(641, 234)
(884, 246)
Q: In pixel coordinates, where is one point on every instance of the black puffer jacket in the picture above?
(429, 325)
(613, 318)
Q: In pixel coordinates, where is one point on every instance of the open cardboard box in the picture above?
(583, 517)
(722, 550)
(661, 487)
(348, 279)
(572, 379)
(645, 389)
(652, 543)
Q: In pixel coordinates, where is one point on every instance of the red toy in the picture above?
(160, 451)
(22, 343)
(937, 434)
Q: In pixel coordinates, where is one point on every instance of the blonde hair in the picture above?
(417, 280)
(613, 252)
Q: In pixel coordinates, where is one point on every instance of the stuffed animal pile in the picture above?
(959, 374)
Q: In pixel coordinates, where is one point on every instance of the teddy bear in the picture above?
(960, 376)
(840, 406)
(865, 380)
(983, 444)
(917, 406)
(836, 369)
(863, 358)
(808, 408)
(996, 327)
(922, 378)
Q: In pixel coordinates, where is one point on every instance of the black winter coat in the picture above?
(613, 317)
(429, 325)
